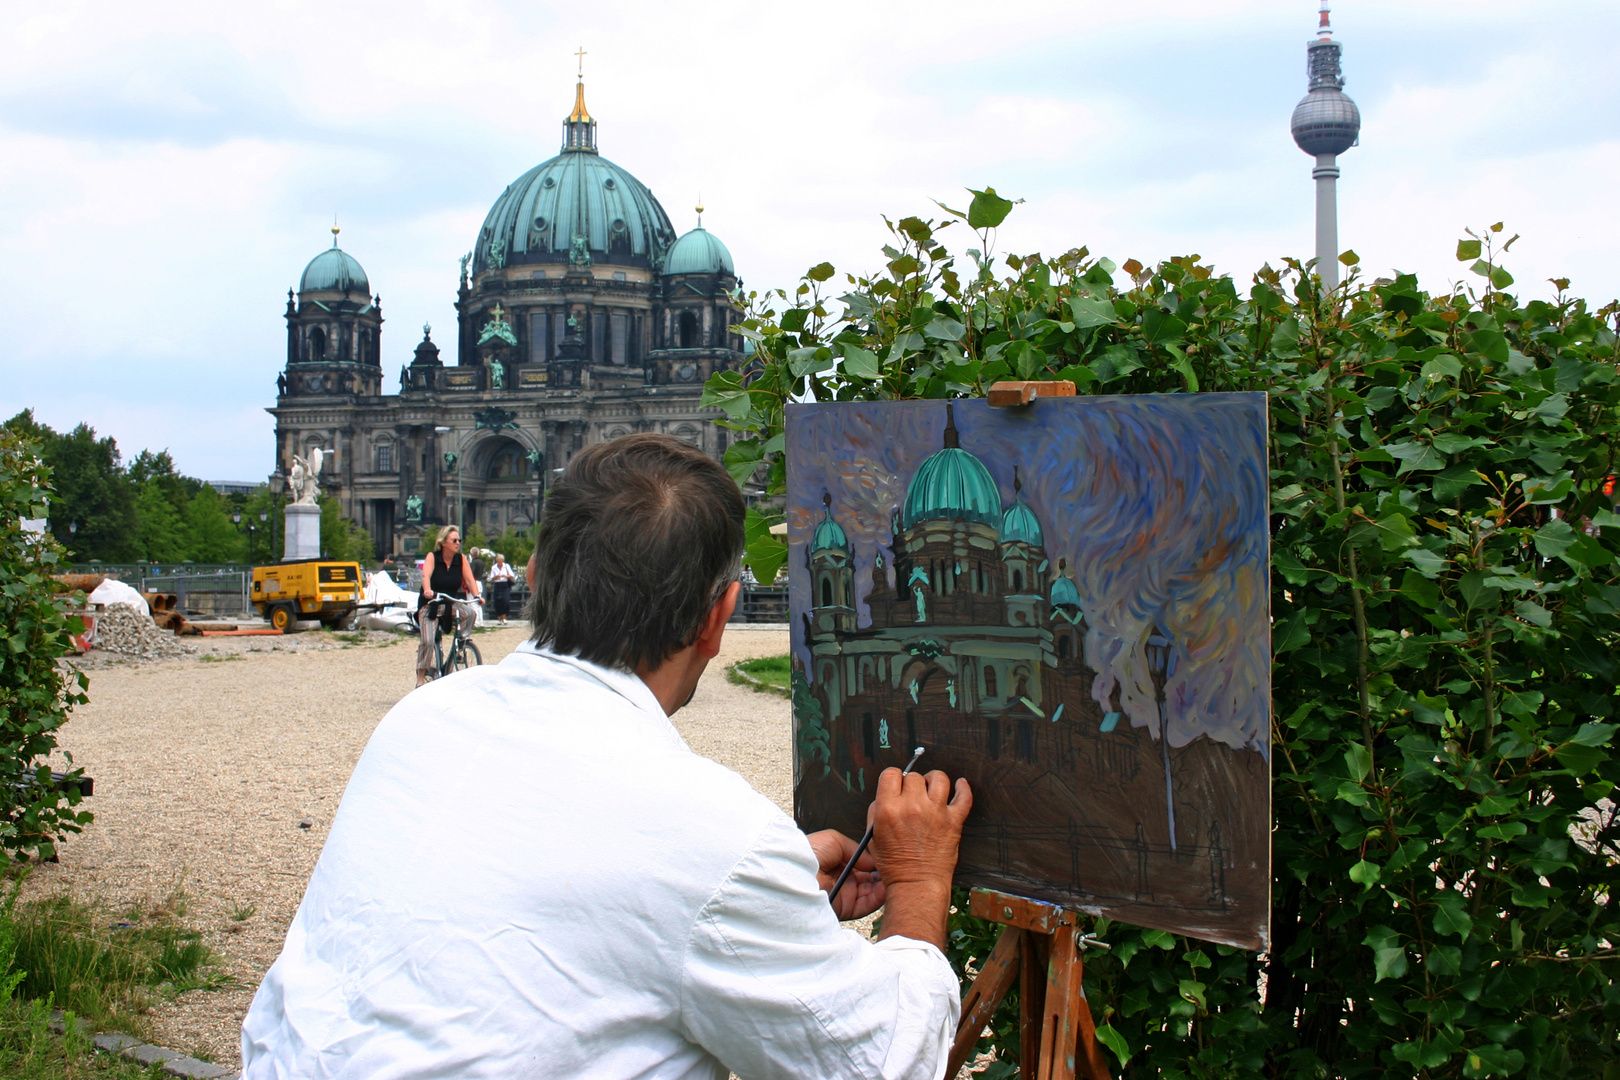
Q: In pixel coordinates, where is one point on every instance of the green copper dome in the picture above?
(580, 194)
(1018, 525)
(1064, 592)
(699, 252)
(829, 534)
(954, 485)
(334, 270)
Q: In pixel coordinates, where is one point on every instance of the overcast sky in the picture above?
(167, 169)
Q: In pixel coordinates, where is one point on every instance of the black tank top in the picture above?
(446, 578)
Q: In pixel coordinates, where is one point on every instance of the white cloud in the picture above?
(168, 168)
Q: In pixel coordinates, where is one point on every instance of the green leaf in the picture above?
(1554, 538)
(1357, 761)
(1111, 1038)
(1349, 258)
(1290, 635)
(1366, 874)
(1503, 830)
(1532, 612)
(1594, 734)
(1192, 990)
(810, 360)
(1389, 957)
(1451, 914)
(1415, 456)
(1160, 327)
(1285, 339)
(1087, 312)
(1500, 277)
(987, 210)
(765, 557)
(1420, 590)
(944, 328)
(1476, 594)
(820, 271)
(742, 458)
(1427, 562)
(858, 363)
(1579, 759)
(1467, 249)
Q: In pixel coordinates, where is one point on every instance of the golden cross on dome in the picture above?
(499, 313)
(581, 55)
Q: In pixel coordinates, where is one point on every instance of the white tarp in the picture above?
(112, 591)
(396, 605)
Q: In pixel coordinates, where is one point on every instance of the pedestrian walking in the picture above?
(500, 583)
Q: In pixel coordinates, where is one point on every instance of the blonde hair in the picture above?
(442, 536)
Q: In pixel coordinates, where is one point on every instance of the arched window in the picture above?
(1063, 646)
(1018, 581)
(1026, 740)
(689, 330)
(989, 682)
(826, 592)
(385, 457)
(868, 737)
(317, 344)
(992, 738)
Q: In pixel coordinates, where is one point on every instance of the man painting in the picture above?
(532, 875)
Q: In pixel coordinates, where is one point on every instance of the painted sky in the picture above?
(1157, 502)
(167, 167)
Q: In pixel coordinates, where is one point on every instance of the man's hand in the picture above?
(863, 893)
(918, 826)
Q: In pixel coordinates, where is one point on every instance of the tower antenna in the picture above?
(1325, 124)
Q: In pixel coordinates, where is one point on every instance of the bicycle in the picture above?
(463, 652)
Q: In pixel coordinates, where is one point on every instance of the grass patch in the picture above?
(213, 658)
(768, 675)
(106, 966)
(30, 1050)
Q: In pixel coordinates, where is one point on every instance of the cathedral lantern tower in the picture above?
(832, 575)
(334, 330)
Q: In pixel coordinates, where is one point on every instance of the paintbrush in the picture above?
(860, 849)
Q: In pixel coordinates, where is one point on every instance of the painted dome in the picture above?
(334, 270)
(1064, 593)
(1018, 525)
(577, 194)
(952, 484)
(829, 534)
(699, 252)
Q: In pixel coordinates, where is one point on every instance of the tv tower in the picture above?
(1326, 123)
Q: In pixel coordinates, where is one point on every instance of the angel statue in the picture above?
(301, 480)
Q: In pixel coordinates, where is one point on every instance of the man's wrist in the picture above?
(917, 909)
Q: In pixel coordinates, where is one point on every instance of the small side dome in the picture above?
(699, 252)
(829, 534)
(1064, 593)
(334, 270)
(1019, 526)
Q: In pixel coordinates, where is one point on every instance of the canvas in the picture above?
(1068, 604)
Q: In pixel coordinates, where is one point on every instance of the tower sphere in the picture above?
(1325, 121)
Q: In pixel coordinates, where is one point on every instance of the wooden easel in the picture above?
(1041, 949)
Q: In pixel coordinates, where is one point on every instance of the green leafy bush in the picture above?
(35, 692)
(1446, 608)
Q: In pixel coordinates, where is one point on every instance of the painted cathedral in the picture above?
(974, 648)
(581, 316)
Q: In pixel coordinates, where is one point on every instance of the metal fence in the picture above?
(222, 593)
(762, 604)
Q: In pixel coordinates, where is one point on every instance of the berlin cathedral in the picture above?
(580, 317)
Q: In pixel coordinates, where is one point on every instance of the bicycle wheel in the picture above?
(441, 663)
(466, 655)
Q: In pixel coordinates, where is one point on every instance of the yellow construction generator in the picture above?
(320, 589)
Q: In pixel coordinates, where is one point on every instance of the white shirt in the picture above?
(502, 571)
(531, 875)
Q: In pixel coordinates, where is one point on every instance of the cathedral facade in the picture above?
(581, 316)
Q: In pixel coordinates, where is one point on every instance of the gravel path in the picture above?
(206, 765)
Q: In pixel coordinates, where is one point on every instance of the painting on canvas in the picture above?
(1068, 604)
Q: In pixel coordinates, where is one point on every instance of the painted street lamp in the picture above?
(1161, 660)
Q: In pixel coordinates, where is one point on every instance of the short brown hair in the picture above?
(639, 540)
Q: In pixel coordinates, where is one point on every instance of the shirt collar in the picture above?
(622, 681)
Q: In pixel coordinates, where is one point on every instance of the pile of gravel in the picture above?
(123, 629)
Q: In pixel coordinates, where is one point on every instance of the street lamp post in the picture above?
(1160, 650)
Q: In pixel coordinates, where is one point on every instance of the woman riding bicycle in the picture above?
(445, 572)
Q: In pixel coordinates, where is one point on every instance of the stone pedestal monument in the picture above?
(303, 514)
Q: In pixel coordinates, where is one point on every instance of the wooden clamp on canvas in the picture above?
(1041, 949)
(1018, 393)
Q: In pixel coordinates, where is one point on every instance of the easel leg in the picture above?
(1068, 1037)
(1032, 998)
(986, 993)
